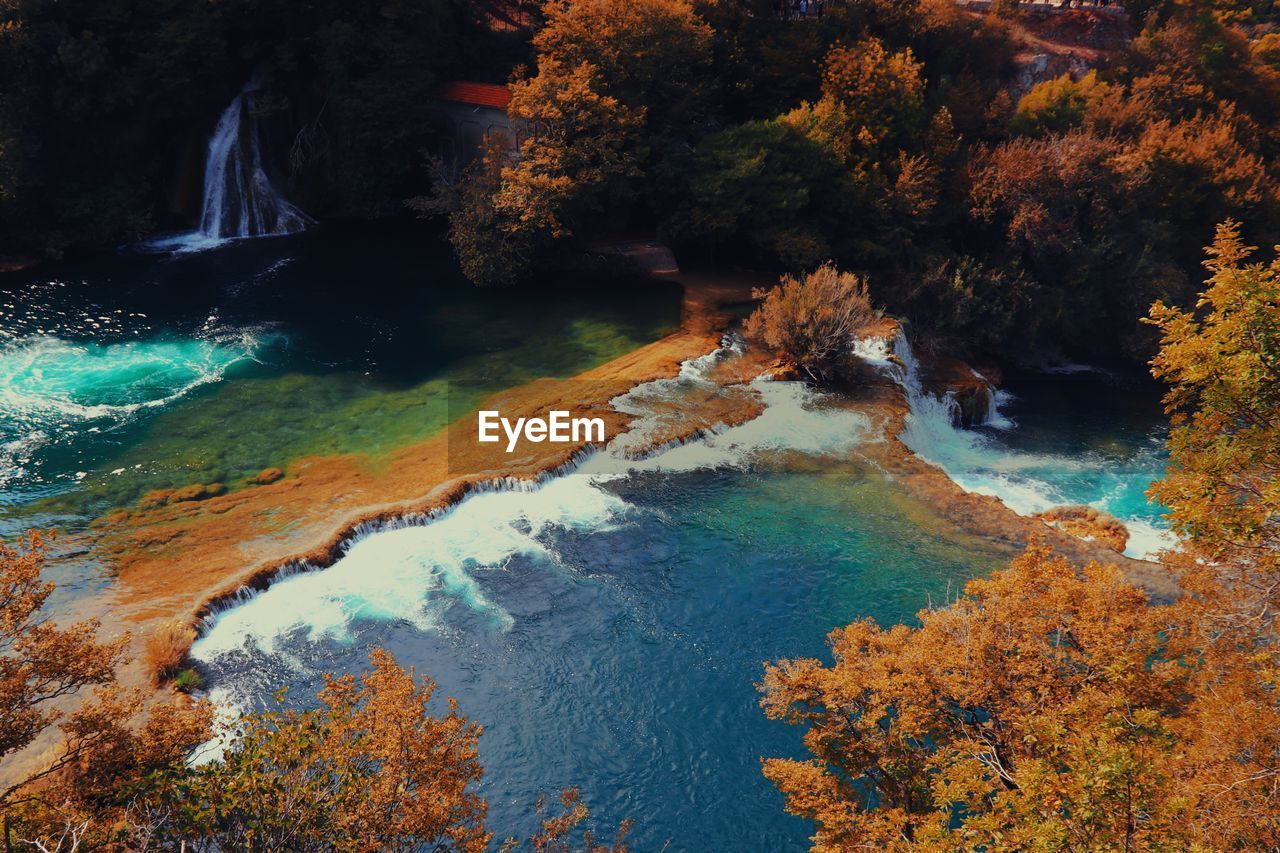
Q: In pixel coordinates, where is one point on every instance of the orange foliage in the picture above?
(82, 789)
(1223, 483)
(370, 769)
(1026, 715)
(1054, 709)
(812, 321)
(42, 665)
(872, 104)
(167, 647)
(557, 832)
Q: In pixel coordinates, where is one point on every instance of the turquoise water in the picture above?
(54, 390)
(140, 371)
(607, 628)
(1088, 438)
(1048, 439)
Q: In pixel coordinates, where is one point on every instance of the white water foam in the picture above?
(51, 387)
(1027, 483)
(400, 574)
(411, 573)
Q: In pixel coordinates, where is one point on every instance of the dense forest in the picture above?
(906, 141)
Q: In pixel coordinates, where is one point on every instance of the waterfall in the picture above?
(239, 198)
(984, 461)
(933, 417)
(993, 399)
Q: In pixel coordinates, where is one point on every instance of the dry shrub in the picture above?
(812, 321)
(167, 648)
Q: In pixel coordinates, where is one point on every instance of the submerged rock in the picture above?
(157, 498)
(197, 492)
(267, 476)
(193, 492)
(1090, 524)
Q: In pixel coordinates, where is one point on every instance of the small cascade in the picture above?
(983, 462)
(239, 198)
(993, 398)
(936, 414)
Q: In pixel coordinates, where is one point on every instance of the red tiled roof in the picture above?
(480, 94)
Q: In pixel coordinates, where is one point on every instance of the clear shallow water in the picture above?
(608, 628)
(139, 371)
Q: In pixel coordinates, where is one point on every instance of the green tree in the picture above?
(766, 187)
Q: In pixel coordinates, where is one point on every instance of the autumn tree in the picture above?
(879, 93)
(370, 768)
(98, 745)
(616, 84)
(1030, 714)
(650, 54)
(1222, 364)
(1057, 105)
(43, 667)
(567, 831)
(1050, 708)
(812, 321)
(506, 207)
(95, 800)
(1222, 487)
(1053, 202)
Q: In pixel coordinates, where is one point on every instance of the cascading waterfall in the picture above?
(933, 417)
(1028, 483)
(239, 198)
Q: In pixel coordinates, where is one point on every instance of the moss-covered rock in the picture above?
(154, 499)
(197, 492)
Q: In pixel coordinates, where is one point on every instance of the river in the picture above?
(607, 625)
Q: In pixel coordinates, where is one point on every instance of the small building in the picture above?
(477, 113)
